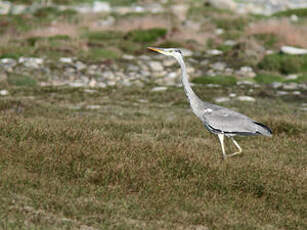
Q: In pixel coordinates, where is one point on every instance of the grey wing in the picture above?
(223, 120)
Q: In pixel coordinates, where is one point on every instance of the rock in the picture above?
(224, 4)
(169, 62)
(17, 9)
(159, 89)
(219, 66)
(4, 92)
(155, 66)
(219, 31)
(92, 83)
(230, 43)
(5, 7)
(232, 95)
(31, 62)
(93, 107)
(294, 18)
(221, 99)
(101, 7)
(80, 66)
(296, 93)
(109, 21)
(290, 86)
(8, 62)
(293, 50)
(276, 85)
(246, 98)
(66, 60)
(282, 93)
(186, 52)
(292, 77)
(128, 57)
(77, 84)
(246, 71)
(214, 52)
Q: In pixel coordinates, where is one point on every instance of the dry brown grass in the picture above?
(287, 33)
(132, 165)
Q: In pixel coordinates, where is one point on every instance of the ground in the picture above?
(109, 156)
(142, 160)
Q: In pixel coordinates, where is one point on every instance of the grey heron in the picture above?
(217, 119)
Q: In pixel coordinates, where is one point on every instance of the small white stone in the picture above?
(293, 50)
(128, 57)
(92, 83)
(93, 107)
(294, 18)
(246, 98)
(156, 66)
(159, 89)
(4, 92)
(219, 31)
(232, 95)
(296, 93)
(214, 52)
(66, 60)
(221, 99)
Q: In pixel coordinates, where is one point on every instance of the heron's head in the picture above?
(168, 51)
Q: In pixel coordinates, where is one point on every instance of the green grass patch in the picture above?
(302, 12)
(283, 63)
(268, 40)
(219, 79)
(266, 78)
(21, 80)
(238, 23)
(144, 36)
(102, 35)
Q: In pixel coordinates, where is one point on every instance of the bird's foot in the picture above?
(231, 155)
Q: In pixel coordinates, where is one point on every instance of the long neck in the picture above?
(195, 102)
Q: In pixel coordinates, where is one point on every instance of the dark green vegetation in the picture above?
(283, 63)
(287, 13)
(219, 79)
(145, 165)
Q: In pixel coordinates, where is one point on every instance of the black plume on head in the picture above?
(179, 51)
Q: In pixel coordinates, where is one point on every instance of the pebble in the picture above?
(128, 57)
(221, 99)
(159, 89)
(214, 52)
(4, 92)
(156, 66)
(219, 66)
(246, 98)
(293, 50)
(290, 86)
(66, 60)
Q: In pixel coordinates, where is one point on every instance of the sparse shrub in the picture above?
(150, 35)
(231, 23)
(283, 63)
(269, 39)
(21, 80)
(267, 78)
(220, 80)
(298, 12)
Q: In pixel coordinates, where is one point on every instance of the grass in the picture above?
(283, 63)
(136, 165)
(266, 78)
(219, 79)
(302, 12)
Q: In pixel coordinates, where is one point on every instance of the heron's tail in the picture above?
(263, 129)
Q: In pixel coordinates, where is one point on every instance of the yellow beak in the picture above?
(156, 49)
